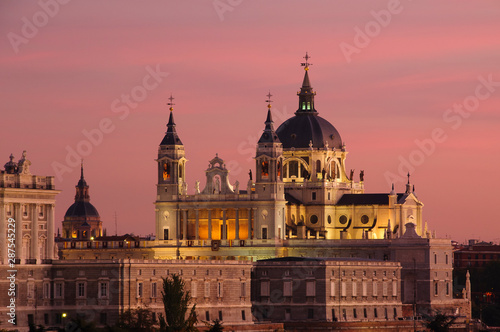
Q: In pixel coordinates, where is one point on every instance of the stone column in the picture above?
(249, 223)
(34, 234)
(224, 231)
(50, 231)
(185, 225)
(237, 224)
(197, 225)
(19, 231)
(3, 235)
(209, 224)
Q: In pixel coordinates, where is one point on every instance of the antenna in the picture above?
(116, 224)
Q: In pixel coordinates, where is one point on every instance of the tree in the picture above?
(176, 301)
(140, 319)
(440, 323)
(215, 327)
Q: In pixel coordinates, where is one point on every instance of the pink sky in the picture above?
(63, 78)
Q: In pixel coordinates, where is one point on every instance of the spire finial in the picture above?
(268, 100)
(408, 175)
(171, 103)
(81, 166)
(306, 64)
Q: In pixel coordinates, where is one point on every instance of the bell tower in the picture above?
(171, 162)
(171, 180)
(269, 160)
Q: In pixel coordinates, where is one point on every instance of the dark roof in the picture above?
(81, 209)
(269, 135)
(171, 137)
(317, 259)
(292, 200)
(299, 130)
(365, 199)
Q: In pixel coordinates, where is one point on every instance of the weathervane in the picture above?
(171, 103)
(306, 64)
(268, 100)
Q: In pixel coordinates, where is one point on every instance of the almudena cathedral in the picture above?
(301, 241)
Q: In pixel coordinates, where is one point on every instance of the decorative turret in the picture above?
(306, 94)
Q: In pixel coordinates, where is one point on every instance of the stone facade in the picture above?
(27, 210)
(320, 289)
(100, 290)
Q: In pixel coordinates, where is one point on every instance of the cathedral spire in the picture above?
(82, 188)
(306, 94)
(171, 136)
(269, 135)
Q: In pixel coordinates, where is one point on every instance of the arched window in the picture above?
(293, 168)
(265, 168)
(318, 166)
(166, 171)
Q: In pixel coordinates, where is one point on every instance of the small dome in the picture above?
(81, 210)
(303, 128)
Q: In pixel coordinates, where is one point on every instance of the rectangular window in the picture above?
(243, 292)
(165, 234)
(395, 313)
(310, 313)
(384, 288)
(207, 316)
(243, 317)
(446, 258)
(334, 319)
(354, 289)
(375, 290)
(354, 313)
(80, 289)
(46, 319)
(375, 314)
(194, 290)
(139, 289)
(394, 288)
(332, 288)
(447, 288)
(264, 233)
(310, 288)
(219, 289)
(435, 288)
(344, 289)
(365, 289)
(31, 290)
(313, 196)
(46, 290)
(220, 314)
(287, 288)
(103, 290)
(153, 290)
(207, 289)
(59, 290)
(264, 288)
(103, 318)
(365, 314)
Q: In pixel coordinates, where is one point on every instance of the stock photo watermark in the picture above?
(454, 117)
(373, 28)
(11, 255)
(121, 106)
(31, 26)
(225, 6)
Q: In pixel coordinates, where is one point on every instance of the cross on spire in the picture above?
(306, 64)
(171, 103)
(268, 100)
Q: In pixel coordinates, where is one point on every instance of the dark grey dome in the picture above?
(305, 127)
(81, 210)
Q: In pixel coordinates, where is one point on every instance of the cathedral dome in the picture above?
(81, 210)
(305, 127)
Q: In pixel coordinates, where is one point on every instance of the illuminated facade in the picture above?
(27, 210)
